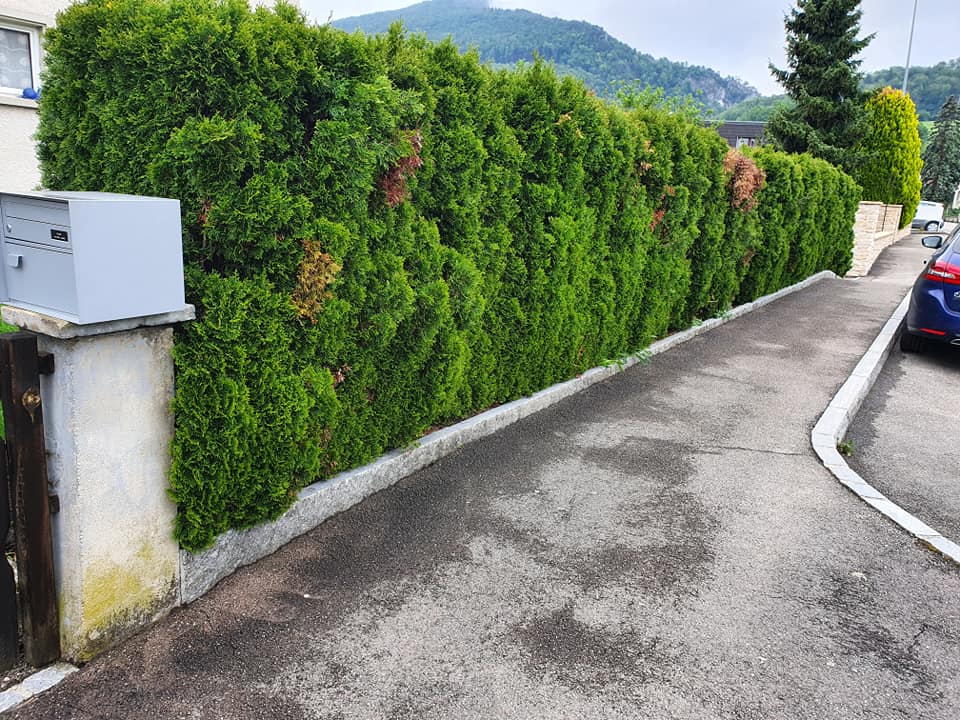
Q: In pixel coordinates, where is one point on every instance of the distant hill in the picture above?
(505, 37)
(928, 86)
(758, 108)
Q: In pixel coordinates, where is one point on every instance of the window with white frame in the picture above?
(19, 57)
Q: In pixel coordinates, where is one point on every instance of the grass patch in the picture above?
(4, 328)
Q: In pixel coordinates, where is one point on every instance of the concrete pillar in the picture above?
(108, 427)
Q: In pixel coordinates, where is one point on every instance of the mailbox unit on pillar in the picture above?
(91, 257)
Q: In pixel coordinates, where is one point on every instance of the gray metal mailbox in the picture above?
(91, 257)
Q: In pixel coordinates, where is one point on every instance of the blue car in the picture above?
(934, 314)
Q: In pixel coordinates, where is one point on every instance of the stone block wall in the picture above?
(876, 227)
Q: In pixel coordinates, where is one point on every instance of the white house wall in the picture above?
(18, 117)
(18, 123)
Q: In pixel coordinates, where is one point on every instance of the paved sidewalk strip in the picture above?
(320, 501)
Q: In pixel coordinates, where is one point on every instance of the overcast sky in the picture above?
(736, 37)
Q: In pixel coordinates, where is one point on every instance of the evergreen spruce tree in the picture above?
(941, 168)
(823, 78)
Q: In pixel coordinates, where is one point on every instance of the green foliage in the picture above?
(941, 158)
(633, 97)
(507, 37)
(891, 150)
(828, 119)
(758, 109)
(925, 130)
(790, 241)
(238, 381)
(538, 231)
(4, 328)
(929, 87)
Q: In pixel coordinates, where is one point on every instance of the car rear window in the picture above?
(954, 239)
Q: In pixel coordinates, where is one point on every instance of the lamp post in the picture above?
(906, 70)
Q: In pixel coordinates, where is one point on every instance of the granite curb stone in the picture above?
(833, 424)
(35, 684)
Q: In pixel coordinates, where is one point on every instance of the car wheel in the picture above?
(910, 343)
(932, 226)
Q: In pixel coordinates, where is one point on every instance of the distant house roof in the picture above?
(742, 132)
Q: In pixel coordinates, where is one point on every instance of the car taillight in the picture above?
(945, 272)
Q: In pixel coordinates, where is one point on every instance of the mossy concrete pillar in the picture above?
(108, 426)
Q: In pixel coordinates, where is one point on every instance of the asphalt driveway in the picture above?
(663, 545)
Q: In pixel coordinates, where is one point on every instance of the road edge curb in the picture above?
(34, 684)
(833, 424)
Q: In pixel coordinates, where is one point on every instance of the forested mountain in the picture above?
(506, 37)
(928, 86)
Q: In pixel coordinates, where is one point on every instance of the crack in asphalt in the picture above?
(916, 638)
(743, 448)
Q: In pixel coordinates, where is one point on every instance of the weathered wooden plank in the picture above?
(9, 639)
(23, 417)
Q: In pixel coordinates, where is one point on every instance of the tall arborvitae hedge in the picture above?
(382, 235)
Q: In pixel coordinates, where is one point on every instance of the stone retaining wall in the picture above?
(876, 227)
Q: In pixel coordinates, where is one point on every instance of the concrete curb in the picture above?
(234, 549)
(35, 684)
(835, 420)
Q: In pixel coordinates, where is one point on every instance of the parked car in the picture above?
(934, 312)
(929, 216)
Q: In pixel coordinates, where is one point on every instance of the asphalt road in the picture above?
(664, 545)
(906, 434)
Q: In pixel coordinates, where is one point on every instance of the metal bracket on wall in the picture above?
(45, 364)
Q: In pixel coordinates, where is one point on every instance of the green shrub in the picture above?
(383, 235)
(891, 151)
(4, 328)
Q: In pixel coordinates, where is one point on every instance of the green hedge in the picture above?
(382, 235)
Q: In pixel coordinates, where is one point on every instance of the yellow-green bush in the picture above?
(891, 152)
(382, 235)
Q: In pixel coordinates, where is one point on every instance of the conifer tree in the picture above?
(823, 79)
(941, 168)
(891, 152)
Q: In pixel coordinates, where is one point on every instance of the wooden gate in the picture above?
(26, 500)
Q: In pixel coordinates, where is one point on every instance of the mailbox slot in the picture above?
(41, 210)
(39, 232)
